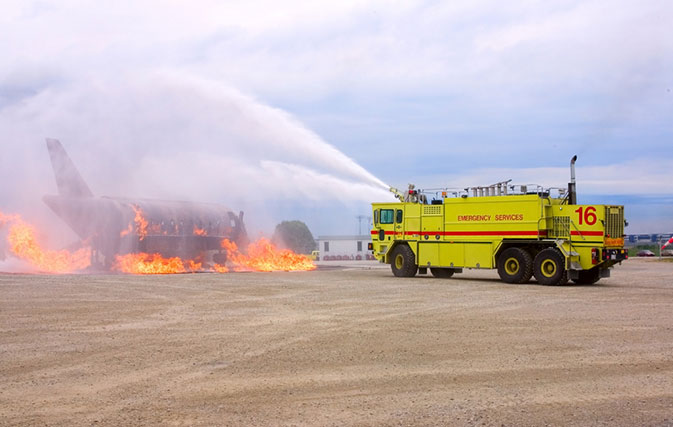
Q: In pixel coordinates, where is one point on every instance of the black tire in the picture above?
(515, 265)
(588, 277)
(403, 262)
(442, 273)
(549, 267)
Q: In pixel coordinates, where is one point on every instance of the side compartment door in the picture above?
(412, 221)
(432, 228)
(478, 255)
(452, 254)
(428, 254)
(432, 223)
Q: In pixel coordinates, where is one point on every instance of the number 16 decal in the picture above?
(589, 216)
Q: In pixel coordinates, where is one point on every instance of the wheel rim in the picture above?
(512, 266)
(399, 262)
(548, 268)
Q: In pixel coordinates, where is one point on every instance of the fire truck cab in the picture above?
(522, 232)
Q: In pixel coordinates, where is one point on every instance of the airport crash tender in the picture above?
(521, 231)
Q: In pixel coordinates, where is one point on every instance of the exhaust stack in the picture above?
(572, 189)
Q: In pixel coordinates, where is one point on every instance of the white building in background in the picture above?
(333, 248)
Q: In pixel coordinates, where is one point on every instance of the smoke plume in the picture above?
(172, 136)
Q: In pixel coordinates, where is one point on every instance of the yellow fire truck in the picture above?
(521, 230)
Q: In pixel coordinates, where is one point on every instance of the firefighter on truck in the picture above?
(521, 231)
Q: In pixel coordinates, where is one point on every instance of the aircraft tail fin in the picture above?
(68, 180)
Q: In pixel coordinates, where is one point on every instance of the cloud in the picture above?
(631, 177)
(411, 47)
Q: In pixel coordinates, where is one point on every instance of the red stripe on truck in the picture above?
(466, 233)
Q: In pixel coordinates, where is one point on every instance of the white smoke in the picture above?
(173, 136)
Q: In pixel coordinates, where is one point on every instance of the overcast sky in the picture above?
(299, 105)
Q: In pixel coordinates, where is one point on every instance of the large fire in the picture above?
(143, 263)
(24, 244)
(264, 256)
(261, 255)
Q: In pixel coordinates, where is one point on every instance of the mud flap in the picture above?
(575, 274)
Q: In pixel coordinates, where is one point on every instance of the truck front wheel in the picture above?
(515, 265)
(550, 268)
(403, 262)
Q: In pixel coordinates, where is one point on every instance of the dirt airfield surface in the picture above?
(336, 346)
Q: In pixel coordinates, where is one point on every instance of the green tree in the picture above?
(294, 235)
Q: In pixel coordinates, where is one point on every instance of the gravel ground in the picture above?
(337, 346)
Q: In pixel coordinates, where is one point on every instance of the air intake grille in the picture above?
(432, 210)
(614, 221)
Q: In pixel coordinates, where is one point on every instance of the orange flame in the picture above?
(264, 256)
(199, 231)
(193, 265)
(4, 219)
(220, 268)
(141, 222)
(142, 263)
(127, 231)
(23, 244)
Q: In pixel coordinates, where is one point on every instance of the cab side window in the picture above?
(376, 217)
(398, 216)
(387, 216)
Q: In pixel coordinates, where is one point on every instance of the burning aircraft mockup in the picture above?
(116, 226)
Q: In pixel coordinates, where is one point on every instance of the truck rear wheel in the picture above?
(515, 265)
(403, 262)
(549, 268)
(588, 277)
(442, 273)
